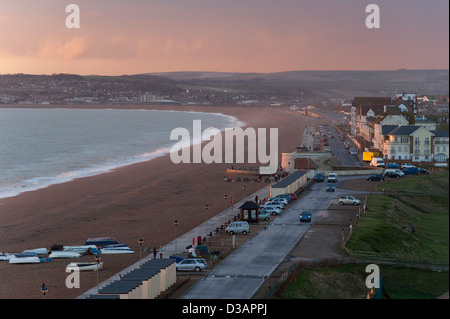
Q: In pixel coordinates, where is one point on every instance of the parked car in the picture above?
(377, 162)
(305, 217)
(319, 177)
(191, 264)
(423, 171)
(287, 197)
(411, 170)
(283, 201)
(271, 210)
(407, 165)
(352, 151)
(348, 200)
(330, 188)
(275, 205)
(263, 215)
(395, 170)
(293, 196)
(391, 174)
(392, 165)
(238, 227)
(375, 177)
(332, 178)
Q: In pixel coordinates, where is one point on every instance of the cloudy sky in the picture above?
(138, 36)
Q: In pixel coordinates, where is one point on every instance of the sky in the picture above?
(119, 37)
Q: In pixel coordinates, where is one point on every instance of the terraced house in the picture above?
(415, 143)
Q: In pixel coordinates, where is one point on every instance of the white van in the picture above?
(395, 170)
(238, 228)
(332, 178)
(377, 162)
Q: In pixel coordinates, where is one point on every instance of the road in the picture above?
(241, 274)
(340, 151)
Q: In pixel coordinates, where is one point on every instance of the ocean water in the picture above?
(41, 147)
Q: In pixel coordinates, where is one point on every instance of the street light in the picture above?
(206, 219)
(175, 222)
(140, 241)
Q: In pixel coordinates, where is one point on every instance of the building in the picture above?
(291, 184)
(406, 101)
(148, 97)
(356, 106)
(441, 151)
(415, 143)
(366, 114)
(408, 143)
(384, 124)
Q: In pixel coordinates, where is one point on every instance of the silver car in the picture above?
(263, 215)
(272, 204)
(348, 200)
(279, 200)
(271, 210)
(192, 264)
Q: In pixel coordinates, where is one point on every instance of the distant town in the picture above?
(66, 89)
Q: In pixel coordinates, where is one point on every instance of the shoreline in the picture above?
(104, 168)
(137, 201)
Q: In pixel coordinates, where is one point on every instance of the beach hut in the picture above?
(129, 289)
(249, 212)
(291, 184)
(144, 282)
(150, 281)
(167, 268)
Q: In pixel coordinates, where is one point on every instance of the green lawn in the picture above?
(386, 225)
(348, 282)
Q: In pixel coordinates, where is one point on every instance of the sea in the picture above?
(40, 147)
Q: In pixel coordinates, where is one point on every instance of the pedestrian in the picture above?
(160, 252)
(154, 252)
(256, 199)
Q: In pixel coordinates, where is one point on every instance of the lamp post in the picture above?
(225, 197)
(206, 219)
(97, 259)
(175, 222)
(44, 290)
(140, 241)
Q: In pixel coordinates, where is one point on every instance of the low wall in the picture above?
(355, 172)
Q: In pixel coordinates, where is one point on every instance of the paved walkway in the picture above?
(178, 245)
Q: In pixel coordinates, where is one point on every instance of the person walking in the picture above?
(154, 252)
(160, 252)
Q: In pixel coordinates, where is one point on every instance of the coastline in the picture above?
(111, 164)
(137, 201)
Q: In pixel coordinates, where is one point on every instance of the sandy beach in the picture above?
(137, 201)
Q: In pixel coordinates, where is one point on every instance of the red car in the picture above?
(293, 197)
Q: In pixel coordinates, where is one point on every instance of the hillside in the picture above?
(324, 84)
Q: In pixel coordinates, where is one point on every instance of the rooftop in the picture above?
(289, 179)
